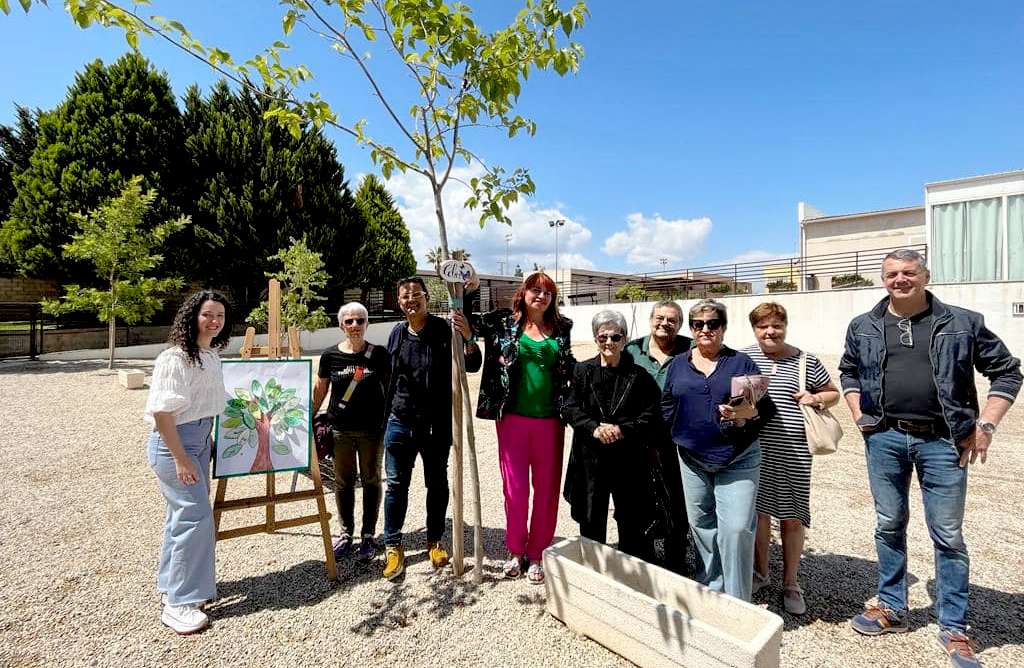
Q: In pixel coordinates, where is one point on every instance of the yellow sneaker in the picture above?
(438, 555)
(394, 561)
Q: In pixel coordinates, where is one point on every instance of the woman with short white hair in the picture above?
(356, 373)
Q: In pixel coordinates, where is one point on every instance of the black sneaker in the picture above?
(342, 546)
(368, 549)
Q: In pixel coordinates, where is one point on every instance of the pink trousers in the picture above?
(528, 445)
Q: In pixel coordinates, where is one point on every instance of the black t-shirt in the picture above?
(412, 401)
(364, 409)
(908, 387)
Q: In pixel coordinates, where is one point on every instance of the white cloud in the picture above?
(532, 238)
(647, 240)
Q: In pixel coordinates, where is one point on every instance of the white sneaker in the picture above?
(184, 619)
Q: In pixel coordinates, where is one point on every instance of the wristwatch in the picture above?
(987, 427)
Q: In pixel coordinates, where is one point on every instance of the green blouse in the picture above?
(532, 392)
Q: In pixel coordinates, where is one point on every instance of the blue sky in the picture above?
(691, 132)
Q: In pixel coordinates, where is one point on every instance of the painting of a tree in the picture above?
(256, 414)
(265, 417)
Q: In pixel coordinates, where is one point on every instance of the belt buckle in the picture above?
(908, 426)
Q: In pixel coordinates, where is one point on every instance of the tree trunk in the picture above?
(111, 340)
(262, 461)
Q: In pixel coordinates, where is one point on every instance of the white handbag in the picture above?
(822, 428)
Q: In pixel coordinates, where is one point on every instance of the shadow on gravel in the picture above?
(303, 584)
(837, 587)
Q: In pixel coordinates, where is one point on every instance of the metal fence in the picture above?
(787, 274)
(21, 329)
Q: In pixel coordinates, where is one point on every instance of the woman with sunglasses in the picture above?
(715, 434)
(527, 365)
(614, 411)
(356, 373)
(784, 490)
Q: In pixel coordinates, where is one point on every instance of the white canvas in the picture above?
(265, 423)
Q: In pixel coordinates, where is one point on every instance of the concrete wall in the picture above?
(79, 339)
(818, 320)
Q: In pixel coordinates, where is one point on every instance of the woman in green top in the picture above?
(527, 365)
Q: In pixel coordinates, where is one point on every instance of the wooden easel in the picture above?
(274, 351)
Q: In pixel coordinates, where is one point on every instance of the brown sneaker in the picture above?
(438, 555)
(394, 561)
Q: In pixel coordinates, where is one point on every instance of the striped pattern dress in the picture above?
(784, 491)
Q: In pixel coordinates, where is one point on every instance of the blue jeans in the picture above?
(401, 445)
(186, 570)
(892, 457)
(720, 509)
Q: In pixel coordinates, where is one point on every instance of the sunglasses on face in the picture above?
(712, 324)
(614, 338)
(357, 321)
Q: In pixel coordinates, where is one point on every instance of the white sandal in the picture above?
(535, 574)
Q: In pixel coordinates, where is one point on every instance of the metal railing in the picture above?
(785, 274)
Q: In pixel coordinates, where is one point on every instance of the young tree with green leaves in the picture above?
(117, 121)
(462, 79)
(386, 255)
(303, 275)
(121, 252)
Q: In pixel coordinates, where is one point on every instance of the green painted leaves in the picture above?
(262, 415)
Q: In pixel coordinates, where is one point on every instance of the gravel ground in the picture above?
(81, 517)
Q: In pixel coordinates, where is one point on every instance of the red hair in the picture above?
(552, 317)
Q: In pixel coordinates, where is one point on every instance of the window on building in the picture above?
(967, 241)
(1015, 237)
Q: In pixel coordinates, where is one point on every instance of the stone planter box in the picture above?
(654, 617)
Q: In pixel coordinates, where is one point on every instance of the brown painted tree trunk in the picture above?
(262, 461)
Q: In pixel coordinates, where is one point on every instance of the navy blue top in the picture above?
(690, 402)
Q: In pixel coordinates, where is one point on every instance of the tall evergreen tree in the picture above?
(117, 121)
(16, 145)
(256, 186)
(386, 255)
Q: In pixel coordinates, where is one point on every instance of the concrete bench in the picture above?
(131, 379)
(654, 617)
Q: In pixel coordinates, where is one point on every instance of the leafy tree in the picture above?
(302, 276)
(111, 238)
(117, 122)
(16, 145)
(256, 186)
(463, 78)
(257, 413)
(635, 292)
(386, 256)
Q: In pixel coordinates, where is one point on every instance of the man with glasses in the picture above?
(419, 420)
(653, 353)
(908, 377)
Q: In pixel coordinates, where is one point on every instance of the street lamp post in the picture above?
(556, 224)
(508, 240)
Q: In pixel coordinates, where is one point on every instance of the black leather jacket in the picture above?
(959, 344)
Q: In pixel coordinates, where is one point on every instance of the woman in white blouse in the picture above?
(186, 391)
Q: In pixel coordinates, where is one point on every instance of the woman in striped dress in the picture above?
(784, 490)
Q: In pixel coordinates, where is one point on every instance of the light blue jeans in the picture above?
(186, 571)
(720, 509)
(892, 457)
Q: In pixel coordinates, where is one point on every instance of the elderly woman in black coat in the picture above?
(614, 410)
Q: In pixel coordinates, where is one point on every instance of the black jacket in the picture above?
(438, 335)
(959, 344)
(635, 408)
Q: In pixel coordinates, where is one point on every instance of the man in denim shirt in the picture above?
(908, 377)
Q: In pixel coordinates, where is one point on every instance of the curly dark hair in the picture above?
(186, 324)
